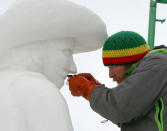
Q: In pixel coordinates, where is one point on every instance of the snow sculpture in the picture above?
(38, 38)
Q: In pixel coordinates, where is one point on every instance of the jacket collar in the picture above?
(157, 49)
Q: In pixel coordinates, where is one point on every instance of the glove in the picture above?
(80, 86)
(89, 77)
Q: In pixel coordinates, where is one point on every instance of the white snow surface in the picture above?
(31, 76)
(29, 102)
(31, 20)
(38, 38)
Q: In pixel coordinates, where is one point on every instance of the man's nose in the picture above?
(111, 73)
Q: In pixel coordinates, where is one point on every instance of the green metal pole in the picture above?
(152, 23)
(162, 1)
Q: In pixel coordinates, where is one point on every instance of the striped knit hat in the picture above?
(124, 47)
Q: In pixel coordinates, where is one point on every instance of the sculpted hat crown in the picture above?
(124, 47)
(27, 21)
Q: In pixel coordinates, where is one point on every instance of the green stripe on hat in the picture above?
(124, 40)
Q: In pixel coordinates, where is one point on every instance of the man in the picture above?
(139, 102)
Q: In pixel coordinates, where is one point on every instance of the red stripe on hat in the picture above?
(125, 59)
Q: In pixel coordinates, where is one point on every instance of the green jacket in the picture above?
(139, 103)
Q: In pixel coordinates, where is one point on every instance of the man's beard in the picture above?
(118, 80)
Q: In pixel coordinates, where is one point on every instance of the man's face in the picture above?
(117, 72)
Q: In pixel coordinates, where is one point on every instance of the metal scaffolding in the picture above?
(153, 20)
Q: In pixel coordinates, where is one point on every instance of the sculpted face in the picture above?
(52, 58)
(59, 62)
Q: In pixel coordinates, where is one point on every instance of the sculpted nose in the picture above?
(72, 67)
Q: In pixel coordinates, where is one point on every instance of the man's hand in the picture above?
(80, 86)
(89, 77)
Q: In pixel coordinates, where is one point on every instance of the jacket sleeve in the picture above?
(134, 96)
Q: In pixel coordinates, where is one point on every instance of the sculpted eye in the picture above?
(67, 52)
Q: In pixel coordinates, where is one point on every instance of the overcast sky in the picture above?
(118, 15)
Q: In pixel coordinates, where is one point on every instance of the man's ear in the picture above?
(128, 66)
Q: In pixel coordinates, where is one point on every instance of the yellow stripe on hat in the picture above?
(126, 52)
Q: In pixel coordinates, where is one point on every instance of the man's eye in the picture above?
(112, 67)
